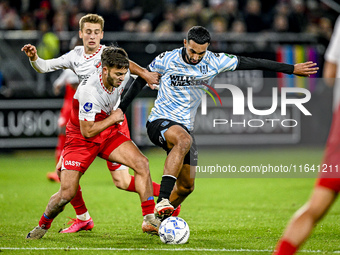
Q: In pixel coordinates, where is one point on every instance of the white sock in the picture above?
(84, 216)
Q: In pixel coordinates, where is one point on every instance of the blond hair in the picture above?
(91, 18)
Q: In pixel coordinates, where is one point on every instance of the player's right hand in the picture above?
(30, 51)
(117, 115)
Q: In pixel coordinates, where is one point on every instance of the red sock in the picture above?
(45, 222)
(156, 188)
(148, 207)
(285, 248)
(78, 203)
(132, 187)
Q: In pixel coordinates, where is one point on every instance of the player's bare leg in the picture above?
(179, 141)
(68, 188)
(123, 180)
(184, 185)
(304, 220)
(128, 154)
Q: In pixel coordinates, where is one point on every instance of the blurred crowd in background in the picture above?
(165, 16)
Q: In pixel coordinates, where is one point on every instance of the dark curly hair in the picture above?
(199, 35)
(115, 57)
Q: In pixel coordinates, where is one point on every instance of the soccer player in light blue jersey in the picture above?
(185, 72)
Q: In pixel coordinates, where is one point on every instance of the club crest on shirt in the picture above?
(97, 64)
(87, 107)
(204, 69)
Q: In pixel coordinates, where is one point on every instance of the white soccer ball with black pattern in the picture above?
(174, 230)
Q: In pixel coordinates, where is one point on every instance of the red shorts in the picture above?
(124, 129)
(330, 177)
(330, 183)
(78, 154)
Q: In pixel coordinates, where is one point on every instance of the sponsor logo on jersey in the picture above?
(88, 106)
(177, 80)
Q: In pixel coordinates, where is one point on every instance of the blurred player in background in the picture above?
(93, 130)
(328, 184)
(185, 73)
(84, 60)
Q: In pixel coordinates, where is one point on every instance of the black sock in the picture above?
(167, 185)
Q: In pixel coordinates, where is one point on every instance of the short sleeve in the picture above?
(226, 62)
(88, 106)
(158, 64)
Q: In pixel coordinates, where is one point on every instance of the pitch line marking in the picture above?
(149, 249)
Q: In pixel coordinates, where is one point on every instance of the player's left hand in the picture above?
(305, 69)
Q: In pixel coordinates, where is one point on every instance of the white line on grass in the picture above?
(147, 249)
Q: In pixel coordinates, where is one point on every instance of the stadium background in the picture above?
(289, 31)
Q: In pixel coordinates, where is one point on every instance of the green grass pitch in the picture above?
(225, 215)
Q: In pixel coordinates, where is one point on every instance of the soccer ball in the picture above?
(174, 230)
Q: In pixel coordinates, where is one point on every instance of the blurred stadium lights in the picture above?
(25, 127)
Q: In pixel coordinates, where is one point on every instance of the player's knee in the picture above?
(184, 143)
(66, 195)
(314, 213)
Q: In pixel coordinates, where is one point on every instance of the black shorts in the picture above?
(156, 130)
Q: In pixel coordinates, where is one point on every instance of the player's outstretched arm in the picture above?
(31, 51)
(301, 69)
(305, 69)
(42, 65)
